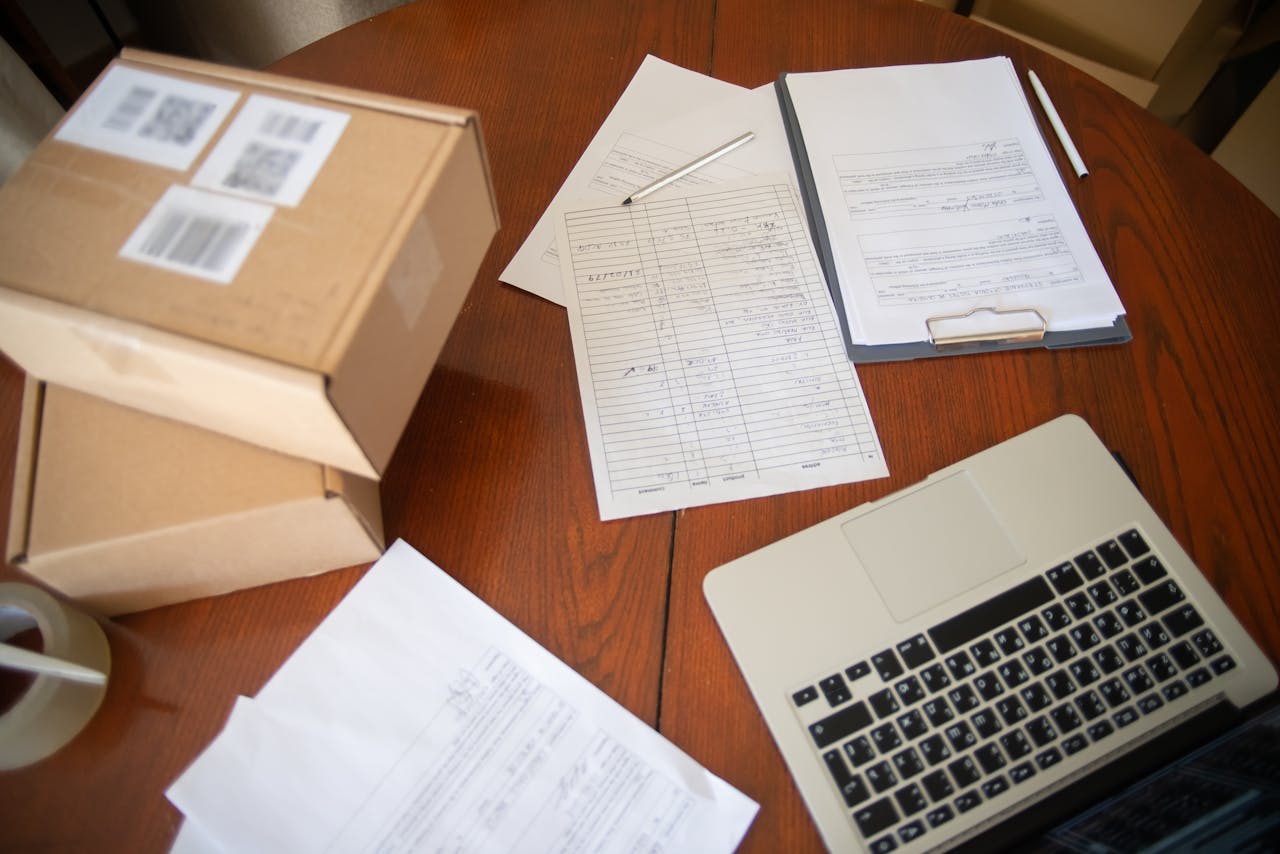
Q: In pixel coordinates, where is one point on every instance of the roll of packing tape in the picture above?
(54, 708)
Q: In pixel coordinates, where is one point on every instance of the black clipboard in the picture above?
(1022, 337)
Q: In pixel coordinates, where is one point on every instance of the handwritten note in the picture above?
(415, 718)
(709, 361)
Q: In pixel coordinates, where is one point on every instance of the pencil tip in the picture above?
(627, 200)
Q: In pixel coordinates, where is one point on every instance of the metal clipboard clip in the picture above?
(965, 334)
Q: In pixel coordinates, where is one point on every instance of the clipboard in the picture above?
(931, 343)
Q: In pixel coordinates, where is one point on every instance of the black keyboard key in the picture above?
(1011, 710)
(1207, 642)
(1079, 605)
(835, 690)
(1108, 659)
(912, 725)
(1133, 543)
(850, 785)
(1154, 635)
(860, 751)
(1021, 772)
(984, 653)
(1032, 629)
(1102, 594)
(961, 666)
(995, 612)
(1149, 569)
(987, 685)
(1090, 566)
(881, 777)
(1074, 744)
(805, 696)
(963, 698)
(990, 758)
(1198, 677)
(938, 711)
(1138, 680)
(1048, 758)
(1125, 716)
(1223, 664)
(1161, 667)
(854, 672)
(1038, 661)
(885, 737)
(1174, 690)
(1155, 599)
(1184, 655)
(1009, 641)
(968, 801)
(1065, 717)
(910, 799)
(840, 725)
(1112, 555)
(883, 702)
(909, 691)
(875, 817)
(940, 816)
(960, 736)
(1101, 730)
(934, 678)
(1131, 612)
(934, 750)
(1056, 617)
(1149, 703)
(1060, 684)
(1015, 744)
(1060, 648)
(907, 763)
(1013, 673)
(883, 845)
(911, 831)
(1108, 624)
(915, 651)
(1085, 636)
(887, 665)
(965, 773)
(1064, 578)
(1084, 672)
(995, 786)
(1181, 620)
(1125, 582)
(1131, 647)
(1036, 696)
(1113, 691)
(986, 723)
(1090, 705)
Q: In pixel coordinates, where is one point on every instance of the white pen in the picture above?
(1058, 128)
(689, 167)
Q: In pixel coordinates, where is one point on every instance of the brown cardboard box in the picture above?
(319, 340)
(126, 511)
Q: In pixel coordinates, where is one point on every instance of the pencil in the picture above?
(689, 167)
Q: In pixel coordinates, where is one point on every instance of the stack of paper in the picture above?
(416, 718)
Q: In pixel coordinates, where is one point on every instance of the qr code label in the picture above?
(147, 116)
(273, 150)
(198, 233)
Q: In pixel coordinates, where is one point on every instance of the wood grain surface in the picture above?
(492, 479)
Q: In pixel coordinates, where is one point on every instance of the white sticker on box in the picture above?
(166, 121)
(198, 233)
(272, 150)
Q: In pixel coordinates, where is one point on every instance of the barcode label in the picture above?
(273, 150)
(198, 233)
(146, 116)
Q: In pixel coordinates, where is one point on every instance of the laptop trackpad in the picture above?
(932, 544)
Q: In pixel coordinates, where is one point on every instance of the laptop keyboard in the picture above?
(975, 707)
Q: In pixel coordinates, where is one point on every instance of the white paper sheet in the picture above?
(612, 165)
(941, 198)
(416, 718)
(709, 360)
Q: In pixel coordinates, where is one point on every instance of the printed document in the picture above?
(709, 360)
(940, 197)
(415, 718)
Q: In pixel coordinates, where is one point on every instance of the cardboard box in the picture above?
(273, 259)
(124, 511)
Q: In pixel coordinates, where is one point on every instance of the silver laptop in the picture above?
(935, 664)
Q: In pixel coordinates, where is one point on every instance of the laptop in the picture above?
(984, 651)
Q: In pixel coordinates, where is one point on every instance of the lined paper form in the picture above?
(709, 360)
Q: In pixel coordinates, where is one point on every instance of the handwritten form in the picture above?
(945, 202)
(416, 718)
(709, 360)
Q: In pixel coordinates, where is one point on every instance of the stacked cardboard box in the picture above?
(250, 279)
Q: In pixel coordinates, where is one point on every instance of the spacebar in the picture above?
(991, 614)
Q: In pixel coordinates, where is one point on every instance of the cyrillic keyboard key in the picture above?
(875, 817)
(1112, 555)
(995, 612)
(1182, 620)
(1149, 569)
(1064, 578)
(1164, 595)
(968, 801)
(840, 725)
(887, 665)
(1090, 566)
(915, 651)
(910, 799)
(1133, 543)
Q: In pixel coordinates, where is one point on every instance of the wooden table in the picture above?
(492, 479)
